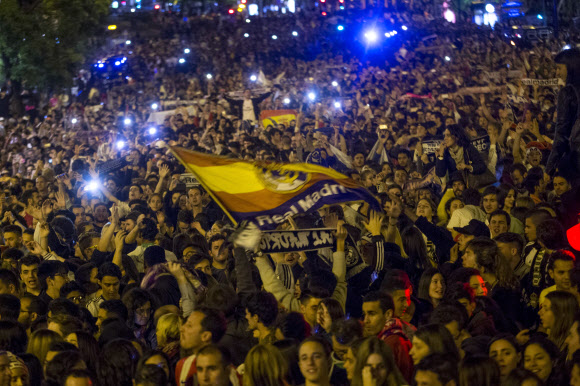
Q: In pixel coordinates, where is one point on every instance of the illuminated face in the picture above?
(449, 139)
(546, 314)
(561, 186)
(403, 159)
(155, 203)
(455, 204)
(517, 177)
(194, 197)
(490, 203)
(424, 209)
(498, 225)
(437, 287)
(458, 188)
(211, 371)
(110, 286)
(358, 160)
(538, 361)
(530, 230)
(561, 274)
(402, 299)
(12, 240)
(478, 285)
(313, 362)
(134, 193)
(510, 199)
(505, 355)
(419, 350)
(469, 259)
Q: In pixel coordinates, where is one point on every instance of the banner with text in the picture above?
(540, 82)
(277, 117)
(430, 148)
(296, 241)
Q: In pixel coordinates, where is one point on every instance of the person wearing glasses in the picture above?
(52, 275)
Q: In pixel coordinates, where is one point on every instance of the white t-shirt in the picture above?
(248, 111)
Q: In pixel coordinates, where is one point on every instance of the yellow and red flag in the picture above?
(280, 117)
(269, 193)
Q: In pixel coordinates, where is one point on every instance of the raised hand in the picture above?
(120, 239)
(163, 171)
(374, 222)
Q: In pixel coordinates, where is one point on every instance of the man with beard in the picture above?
(101, 215)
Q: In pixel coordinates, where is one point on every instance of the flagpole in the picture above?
(217, 201)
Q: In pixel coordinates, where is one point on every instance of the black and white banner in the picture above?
(297, 241)
(540, 82)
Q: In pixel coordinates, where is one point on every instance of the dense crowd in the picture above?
(119, 269)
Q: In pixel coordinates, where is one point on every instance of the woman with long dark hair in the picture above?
(557, 315)
(117, 363)
(140, 318)
(457, 153)
(329, 310)
(432, 339)
(375, 363)
(432, 286)
(479, 371)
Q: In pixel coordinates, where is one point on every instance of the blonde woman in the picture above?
(265, 366)
(167, 332)
(40, 341)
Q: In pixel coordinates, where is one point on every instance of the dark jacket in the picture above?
(567, 137)
(470, 157)
(238, 104)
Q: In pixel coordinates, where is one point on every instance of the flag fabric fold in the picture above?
(267, 194)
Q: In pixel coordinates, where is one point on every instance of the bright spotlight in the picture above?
(92, 186)
(101, 65)
(294, 33)
(387, 34)
(371, 36)
(286, 101)
(567, 47)
(253, 78)
(447, 59)
(154, 106)
(334, 83)
(152, 131)
(246, 35)
(340, 28)
(248, 20)
(337, 105)
(540, 17)
(117, 63)
(74, 121)
(208, 76)
(186, 51)
(404, 28)
(489, 8)
(120, 144)
(311, 96)
(127, 121)
(128, 42)
(274, 37)
(181, 60)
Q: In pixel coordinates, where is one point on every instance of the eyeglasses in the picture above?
(78, 299)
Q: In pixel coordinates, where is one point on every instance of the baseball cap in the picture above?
(474, 228)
